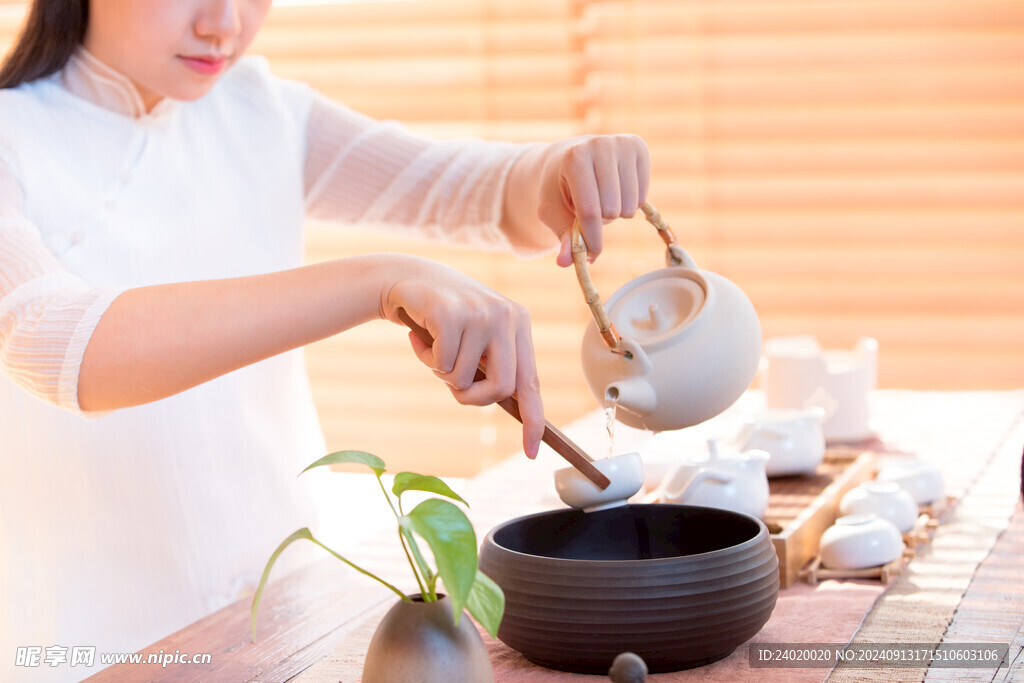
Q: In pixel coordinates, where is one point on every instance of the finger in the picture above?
(586, 201)
(564, 257)
(499, 370)
(445, 349)
(609, 189)
(422, 350)
(473, 345)
(512, 369)
(629, 188)
(531, 408)
(425, 353)
(643, 172)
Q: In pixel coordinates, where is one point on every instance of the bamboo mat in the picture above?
(992, 609)
(921, 605)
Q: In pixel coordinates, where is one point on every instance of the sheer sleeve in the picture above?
(381, 174)
(47, 315)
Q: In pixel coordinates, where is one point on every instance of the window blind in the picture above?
(857, 167)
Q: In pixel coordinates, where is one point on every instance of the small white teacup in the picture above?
(626, 473)
(859, 542)
(920, 479)
(883, 498)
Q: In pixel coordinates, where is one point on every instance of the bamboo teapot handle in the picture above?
(674, 256)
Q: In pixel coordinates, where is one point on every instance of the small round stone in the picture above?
(628, 667)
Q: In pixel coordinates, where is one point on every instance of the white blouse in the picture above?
(118, 529)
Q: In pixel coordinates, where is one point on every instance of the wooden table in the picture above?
(960, 587)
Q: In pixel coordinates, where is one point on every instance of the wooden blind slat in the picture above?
(852, 190)
(791, 50)
(824, 226)
(423, 12)
(691, 87)
(651, 17)
(435, 72)
(405, 38)
(841, 155)
(914, 121)
(893, 265)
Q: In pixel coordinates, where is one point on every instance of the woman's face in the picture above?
(172, 48)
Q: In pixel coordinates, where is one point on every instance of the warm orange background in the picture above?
(856, 167)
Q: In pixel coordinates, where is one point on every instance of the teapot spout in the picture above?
(635, 395)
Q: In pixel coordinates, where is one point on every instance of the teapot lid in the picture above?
(657, 305)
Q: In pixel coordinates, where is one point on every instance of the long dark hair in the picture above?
(52, 32)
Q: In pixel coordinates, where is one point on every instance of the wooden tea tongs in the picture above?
(558, 441)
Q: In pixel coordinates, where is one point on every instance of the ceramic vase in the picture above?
(419, 641)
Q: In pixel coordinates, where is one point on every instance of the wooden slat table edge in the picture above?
(309, 603)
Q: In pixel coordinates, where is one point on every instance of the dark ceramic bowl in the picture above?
(681, 586)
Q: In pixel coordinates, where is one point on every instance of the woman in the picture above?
(153, 187)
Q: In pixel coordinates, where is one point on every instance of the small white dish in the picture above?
(626, 473)
(886, 499)
(860, 541)
(923, 481)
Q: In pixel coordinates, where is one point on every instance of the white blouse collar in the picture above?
(92, 80)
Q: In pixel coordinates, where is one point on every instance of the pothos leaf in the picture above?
(304, 533)
(410, 481)
(486, 603)
(451, 538)
(358, 457)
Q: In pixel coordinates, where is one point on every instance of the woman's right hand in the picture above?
(472, 326)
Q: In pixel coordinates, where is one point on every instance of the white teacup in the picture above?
(626, 473)
(859, 542)
(793, 439)
(798, 373)
(920, 479)
(886, 499)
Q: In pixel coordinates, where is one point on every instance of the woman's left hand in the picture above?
(594, 178)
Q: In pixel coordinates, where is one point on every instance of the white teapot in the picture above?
(729, 480)
(674, 347)
(793, 438)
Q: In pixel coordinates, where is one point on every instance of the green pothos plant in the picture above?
(447, 532)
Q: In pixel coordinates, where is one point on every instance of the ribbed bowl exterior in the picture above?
(677, 612)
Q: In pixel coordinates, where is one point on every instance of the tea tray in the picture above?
(885, 573)
(801, 508)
